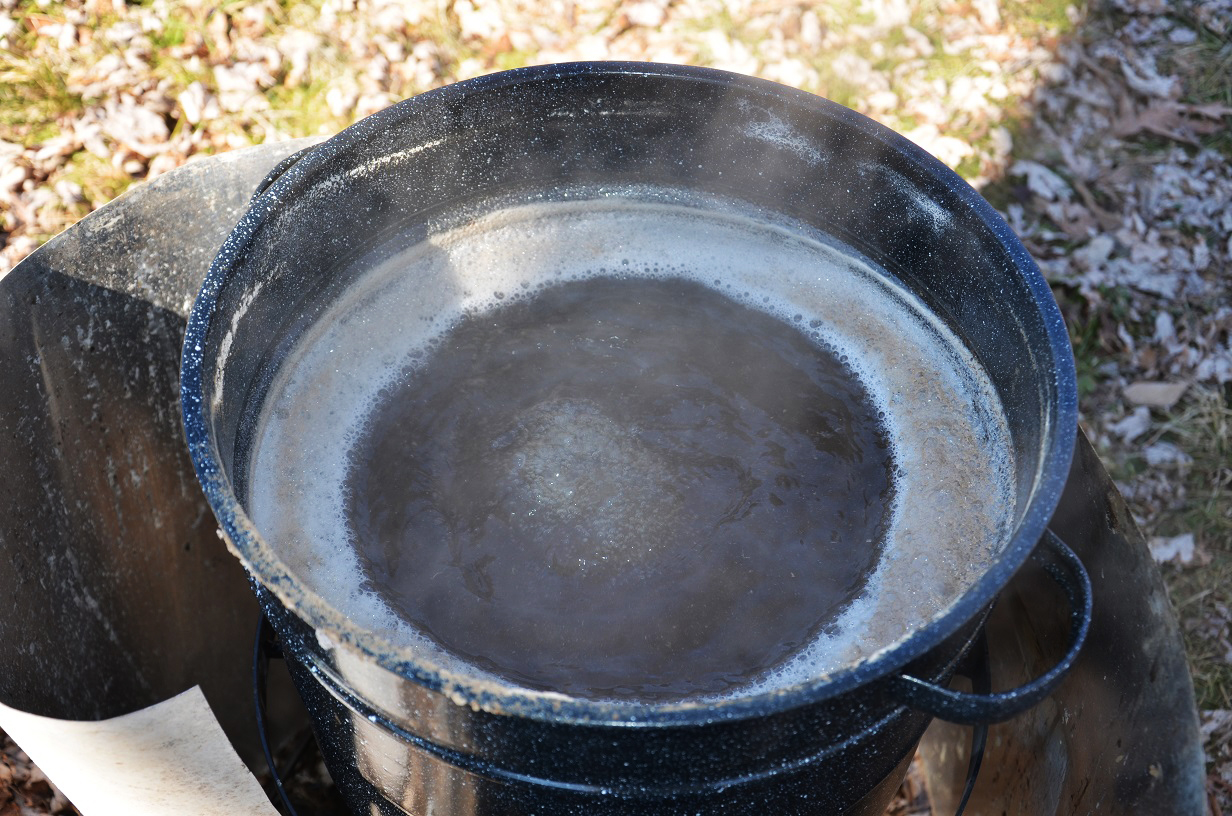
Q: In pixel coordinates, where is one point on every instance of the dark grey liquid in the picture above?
(622, 488)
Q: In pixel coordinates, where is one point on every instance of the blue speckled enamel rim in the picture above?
(257, 557)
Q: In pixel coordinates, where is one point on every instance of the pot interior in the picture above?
(535, 151)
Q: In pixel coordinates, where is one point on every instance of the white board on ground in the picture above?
(169, 758)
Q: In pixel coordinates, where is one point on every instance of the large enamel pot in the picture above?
(400, 733)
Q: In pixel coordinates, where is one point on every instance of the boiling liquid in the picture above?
(621, 486)
(624, 449)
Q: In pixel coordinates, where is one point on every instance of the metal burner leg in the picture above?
(979, 671)
(265, 648)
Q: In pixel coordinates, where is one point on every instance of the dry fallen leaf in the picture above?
(1042, 181)
(1132, 426)
(1165, 453)
(1216, 727)
(1179, 549)
(1155, 394)
(1172, 120)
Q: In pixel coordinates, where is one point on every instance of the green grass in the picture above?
(969, 168)
(1203, 428)
(303, 111)
(1086, 339)
(1207, 66)
(1201, 593)
(179, 73)
(33, 96)
(834, 87)
(842, 14)
(1195, 598)
(100, 180)
(1046, 15)
(301, 14)
(942, 65)
(173, 33)
(507, 60)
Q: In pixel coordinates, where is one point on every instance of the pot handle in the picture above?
(1064, 567)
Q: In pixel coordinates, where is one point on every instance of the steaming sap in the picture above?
(625, 449)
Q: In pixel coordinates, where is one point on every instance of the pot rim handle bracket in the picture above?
(964, 708)
(280, 168)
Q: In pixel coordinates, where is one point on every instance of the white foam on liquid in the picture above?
(952, 508)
